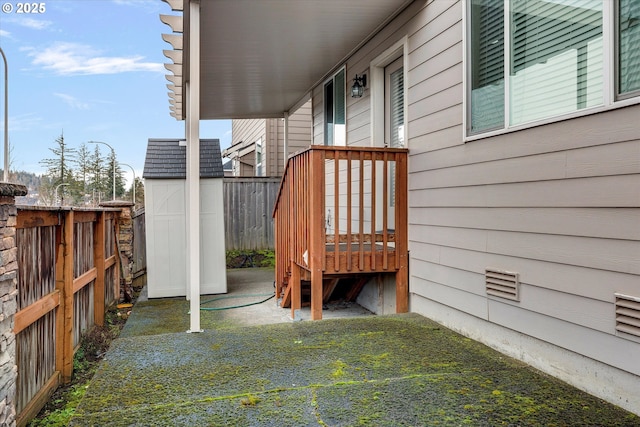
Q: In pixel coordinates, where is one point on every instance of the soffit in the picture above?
(260, 57)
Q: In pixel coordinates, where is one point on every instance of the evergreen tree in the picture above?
(83, 171)
(97, 177)
(119, 176)
(139, 202)
(59, 171)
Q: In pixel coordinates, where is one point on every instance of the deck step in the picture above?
(330, 286)
(286, 297)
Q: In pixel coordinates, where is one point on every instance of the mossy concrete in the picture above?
(398, 370)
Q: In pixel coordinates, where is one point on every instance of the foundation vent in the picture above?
(628, 314)
(503, 284)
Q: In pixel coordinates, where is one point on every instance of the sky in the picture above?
(91, 70)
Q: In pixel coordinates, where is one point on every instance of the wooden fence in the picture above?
(248, 205)
(67, 276)
(139, 244)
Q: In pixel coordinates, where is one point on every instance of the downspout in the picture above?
(193, 167)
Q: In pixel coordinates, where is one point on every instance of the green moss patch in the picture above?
(387, 370)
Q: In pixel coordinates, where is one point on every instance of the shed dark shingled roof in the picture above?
(167, 159)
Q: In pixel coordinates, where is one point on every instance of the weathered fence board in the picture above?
(139, 244)
(65, 285)
(248, 205)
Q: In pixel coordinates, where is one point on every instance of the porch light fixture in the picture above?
(359, 83)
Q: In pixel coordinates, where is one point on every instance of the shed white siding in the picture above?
(166, 241)
(559, 204)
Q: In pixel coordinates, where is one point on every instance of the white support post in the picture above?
(286, 141)
(193, 167)
(186, 193)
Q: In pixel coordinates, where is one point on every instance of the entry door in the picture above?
(393, 124)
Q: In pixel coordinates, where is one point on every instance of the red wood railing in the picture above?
(341, 211)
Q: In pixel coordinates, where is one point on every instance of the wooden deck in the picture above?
(353, 196)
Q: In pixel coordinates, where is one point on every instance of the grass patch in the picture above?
(259, 258)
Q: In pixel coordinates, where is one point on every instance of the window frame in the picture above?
(332, 80)
(611, 99)
(259, 169)
(616, 58)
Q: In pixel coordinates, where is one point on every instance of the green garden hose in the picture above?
(269, 296)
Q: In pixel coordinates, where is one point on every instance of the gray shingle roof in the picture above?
(167, 159)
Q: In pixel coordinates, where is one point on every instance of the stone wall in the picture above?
(8, 302)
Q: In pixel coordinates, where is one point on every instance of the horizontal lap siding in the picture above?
(559, 204)
(300, 129)
(249, 130)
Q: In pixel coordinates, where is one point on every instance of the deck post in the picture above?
(402, 236)
(316, 219)
(296, 287)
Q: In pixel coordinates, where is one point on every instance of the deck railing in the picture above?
(67, 276)
(341, 210)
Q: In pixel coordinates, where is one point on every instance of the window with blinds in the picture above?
(539, 59)
(487, 65)
(396, 122)
(334, 110)
(629, 48)
(556, 58)
(396, 115)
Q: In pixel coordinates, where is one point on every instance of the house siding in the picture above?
(558, 203)
(299, 130)
(272, 132)
(249, 130)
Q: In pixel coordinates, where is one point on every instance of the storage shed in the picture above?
(165, 207)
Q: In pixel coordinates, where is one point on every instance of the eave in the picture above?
(259, 59)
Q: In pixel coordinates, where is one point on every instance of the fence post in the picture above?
(98, 259)
(124, 246)
(8, 303)
(64, 284)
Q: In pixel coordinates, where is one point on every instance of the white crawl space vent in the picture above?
(503, 284)
(628, 314)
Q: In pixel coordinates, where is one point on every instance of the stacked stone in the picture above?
(8, 303)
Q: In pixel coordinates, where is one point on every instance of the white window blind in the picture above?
(629, 46)
(397, 107)
(487, 64)
(555, 58)
(396, 121)
(552, 52)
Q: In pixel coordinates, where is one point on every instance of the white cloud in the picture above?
(148, 5)
(4, 33)
(73, 59)
(23, 122)
(72, 101)
(34, 24)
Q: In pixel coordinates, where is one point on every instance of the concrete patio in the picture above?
(254, 366)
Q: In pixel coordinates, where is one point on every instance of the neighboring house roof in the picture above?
(239, 149)
(227, 166)
(167, 159)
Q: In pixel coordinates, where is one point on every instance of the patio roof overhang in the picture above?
(260, 59)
